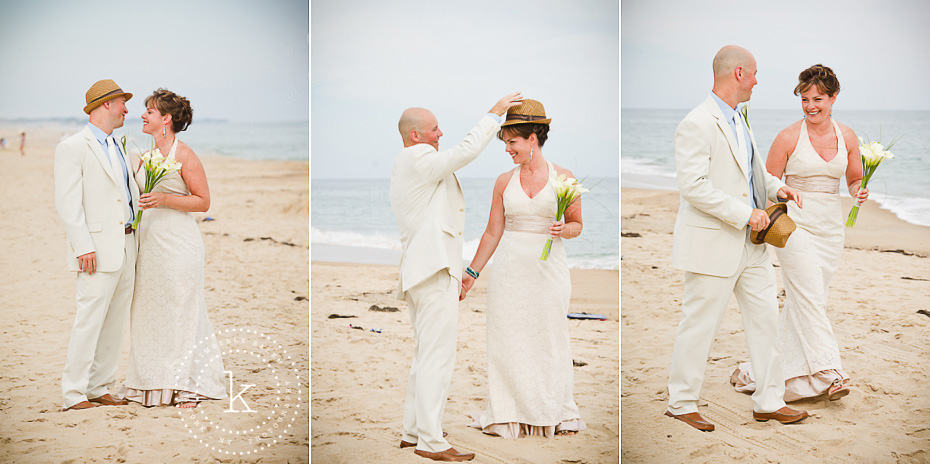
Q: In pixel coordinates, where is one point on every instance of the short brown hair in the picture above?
(168, 102)
(525, 130)
(821, 76)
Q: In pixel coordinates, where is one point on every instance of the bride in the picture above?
(812, 154)
(174, 356)
(530, 376)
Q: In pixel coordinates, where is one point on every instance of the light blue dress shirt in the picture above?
(728, 114)
(101, 137)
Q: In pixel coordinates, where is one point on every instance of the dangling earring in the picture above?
(164, 132)
(531, 154)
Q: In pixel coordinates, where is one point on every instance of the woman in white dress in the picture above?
(174, 356)
(813, 154)
(530, 378)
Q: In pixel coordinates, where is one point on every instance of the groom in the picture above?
(428, 204)
(724, 187)
(96, 198)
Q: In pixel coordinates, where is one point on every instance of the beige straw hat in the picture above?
(778, 230)
(101, 92)
(527, 112)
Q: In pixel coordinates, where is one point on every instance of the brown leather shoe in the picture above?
(81, 405)
(107, 400)
(693, 419)
(407, 444)
(837, 390)
(784, 415)
(449, 455)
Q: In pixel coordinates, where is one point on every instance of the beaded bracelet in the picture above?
(471, 272)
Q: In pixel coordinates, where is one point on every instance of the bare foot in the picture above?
(81, 405)
(566, 432)
(187, 405)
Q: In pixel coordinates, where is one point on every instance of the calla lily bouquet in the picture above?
(567, 190)
(873, 153)
(157, 166)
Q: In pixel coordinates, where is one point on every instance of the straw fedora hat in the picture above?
(527, 112)
(103, 91)
(780, 227)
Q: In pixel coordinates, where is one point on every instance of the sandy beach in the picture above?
(882, 281)
(256, 279)
(359, 377)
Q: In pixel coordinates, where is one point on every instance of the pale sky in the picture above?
(239, 60)
(879, 49)
(371, 59)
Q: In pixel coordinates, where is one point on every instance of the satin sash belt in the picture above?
(820, 184)
(532, 224)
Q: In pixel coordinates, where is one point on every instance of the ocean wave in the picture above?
(914, 210)
(355, 239)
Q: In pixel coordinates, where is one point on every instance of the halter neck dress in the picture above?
(174, 355)
(530, 371)
(809, 352)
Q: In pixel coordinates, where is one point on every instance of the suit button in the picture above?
(461, 210)
(460, 234)
(119, 200)
(745, 195)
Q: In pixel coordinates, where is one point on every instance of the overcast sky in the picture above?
(879, 49)
(372, 59)
(240, 60)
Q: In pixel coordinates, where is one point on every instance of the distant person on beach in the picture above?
(724, 187)
(2, 143)
(429, 207)
(812, 154)
(174, 357)
(22, 143)
(530, 394)
(96, 201)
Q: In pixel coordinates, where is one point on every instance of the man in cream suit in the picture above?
(724, 187)
(428, 204)
(96, 198)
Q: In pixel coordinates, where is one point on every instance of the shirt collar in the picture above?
(724, 107)
(99, 134)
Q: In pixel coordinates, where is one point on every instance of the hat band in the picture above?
(118, 90)
(524, 117)
(774, 217)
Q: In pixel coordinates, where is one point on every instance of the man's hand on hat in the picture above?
(759, 220)
(504, 104)
(791, 194)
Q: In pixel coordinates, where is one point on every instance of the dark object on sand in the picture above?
(339, 316)
(375, 330)
(300, 298)
(924, 312)
(356, 327)
(383, 309)
(630, 234)
(905, 253)
(207, 219)
(595, 317)
(915, 278)
(578, 363)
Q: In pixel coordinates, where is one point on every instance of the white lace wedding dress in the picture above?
(174, 355)
(530, 378)
(810, 355)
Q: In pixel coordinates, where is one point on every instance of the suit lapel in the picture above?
(724, 127)
(98, 152)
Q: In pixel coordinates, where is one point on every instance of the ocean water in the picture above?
(647, 151)
(259, 141)
(357, 213)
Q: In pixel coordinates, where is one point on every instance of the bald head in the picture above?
(414, 119)
(729, 58)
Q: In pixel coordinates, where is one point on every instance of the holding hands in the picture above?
(467, 282)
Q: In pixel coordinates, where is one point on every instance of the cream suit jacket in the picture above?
(711, 227)
(427, 201)
(88, 195)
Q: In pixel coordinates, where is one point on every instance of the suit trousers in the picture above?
(100, 323)
(703, 305)
(434, 314)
